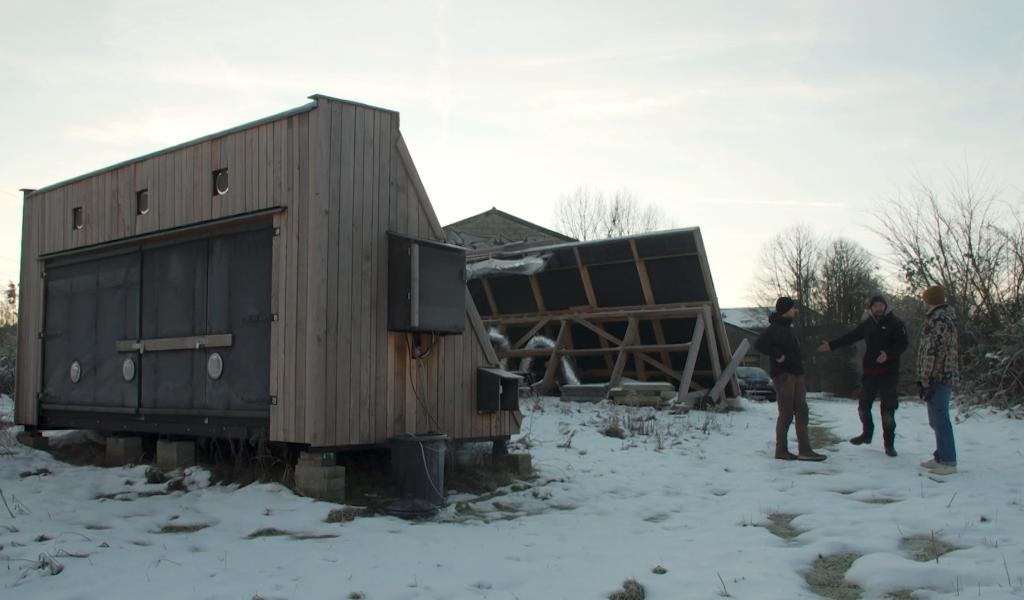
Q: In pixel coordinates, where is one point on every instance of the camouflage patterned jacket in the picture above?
(937, 358)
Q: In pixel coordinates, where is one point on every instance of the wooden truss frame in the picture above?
(649, 359)
(615, 348)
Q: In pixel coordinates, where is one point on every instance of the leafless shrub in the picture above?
(587, 214)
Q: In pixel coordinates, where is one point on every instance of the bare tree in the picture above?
(9, 305)
(965, 239)
(847, 278)
(586, 214)
(789, 266)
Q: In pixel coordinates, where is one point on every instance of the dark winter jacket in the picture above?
(779, 340)
(937, 354)
(886, 333)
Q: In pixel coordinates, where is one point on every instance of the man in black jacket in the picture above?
(779, 342)
(885, 339)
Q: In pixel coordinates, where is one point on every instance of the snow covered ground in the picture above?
(689, 493)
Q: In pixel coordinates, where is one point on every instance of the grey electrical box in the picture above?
(426, 286)
(496, 389)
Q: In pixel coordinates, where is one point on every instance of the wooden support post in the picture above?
(648, 290)
(727, 373)
(620, 362)
(588, 289)
(691, 359)
(490, 296)
(537, 296)
(713, 348)
(549, 373)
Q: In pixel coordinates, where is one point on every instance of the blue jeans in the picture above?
(937, 398)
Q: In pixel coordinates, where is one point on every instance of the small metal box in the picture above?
(426, 286)
(496, 389)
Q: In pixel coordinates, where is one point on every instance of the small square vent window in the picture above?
(76, 218)
(141, 202)
(220, 182)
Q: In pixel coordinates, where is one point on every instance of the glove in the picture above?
(921, 392)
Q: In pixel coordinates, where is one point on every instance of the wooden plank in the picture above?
(552, 367)
(302, 248)
(332, 262)
(691, 359)
(632, 330)
(318, 217)
(588, 290)
(266, 165)
(538, 298)
(278, 151)
(713, 347)
(366, 271)
(529, 334)
(489, 294)
(193, 342)
(716, 324)
(729, 371)
(291, 311)
(357, 290)
(346, 289)
(645, 313)
(385, 144)
(28, 369)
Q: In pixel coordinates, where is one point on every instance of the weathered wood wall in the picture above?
(344, 177)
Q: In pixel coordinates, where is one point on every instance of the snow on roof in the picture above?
(754, 318)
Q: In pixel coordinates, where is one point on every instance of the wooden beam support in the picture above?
(618, 314)
(648, 290)
(620, 363)
(537, 296)
(490, 298)
(549, 373)
(691, 360)
(529, 334)
(588, 290)
(713, 347)
(730, 369)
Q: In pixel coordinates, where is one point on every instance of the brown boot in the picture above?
(811, 455)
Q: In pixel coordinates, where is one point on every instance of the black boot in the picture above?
(868, 428)
(864, 438)
(889, 433)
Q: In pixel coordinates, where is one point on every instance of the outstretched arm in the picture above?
(856, 335)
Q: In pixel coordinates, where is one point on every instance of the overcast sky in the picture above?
(738, 117)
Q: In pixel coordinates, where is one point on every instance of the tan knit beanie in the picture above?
(934, 295)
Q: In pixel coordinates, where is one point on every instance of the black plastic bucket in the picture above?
(418, 463)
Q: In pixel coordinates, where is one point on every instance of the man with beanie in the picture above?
(938, 371)
(779, 342)
(885, 339)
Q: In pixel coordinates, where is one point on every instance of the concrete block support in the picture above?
(171, 455)
(34, 440)
(317, 476)
(123, 451)
(518, 463)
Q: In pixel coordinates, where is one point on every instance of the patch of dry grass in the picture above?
(631, 590)
(827, 577)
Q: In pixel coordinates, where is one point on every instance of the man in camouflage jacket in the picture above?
(938, 371)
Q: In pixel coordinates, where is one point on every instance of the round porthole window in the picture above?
(76, 372)
(128, 369)
(220, 182)
(215, 366)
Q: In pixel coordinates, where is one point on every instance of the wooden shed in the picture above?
(238, 285)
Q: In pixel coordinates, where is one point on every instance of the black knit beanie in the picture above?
(783, 304)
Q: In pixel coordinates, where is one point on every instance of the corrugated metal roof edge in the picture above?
(262, 121)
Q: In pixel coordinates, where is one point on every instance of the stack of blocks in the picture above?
(319, 476)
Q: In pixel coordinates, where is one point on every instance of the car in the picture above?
(755, 384)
